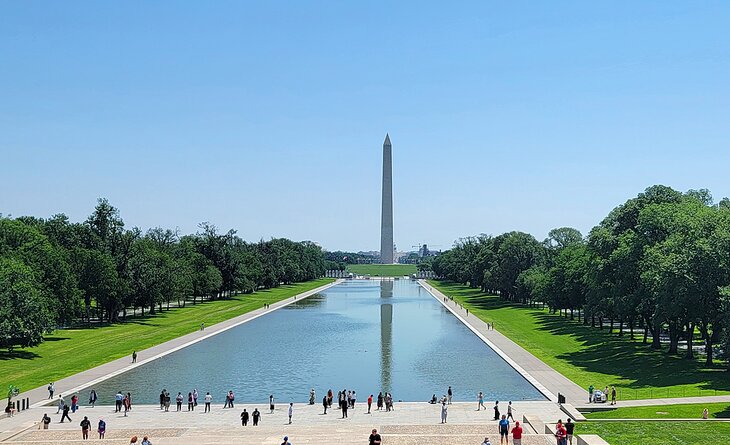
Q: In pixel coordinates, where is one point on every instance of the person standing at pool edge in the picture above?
(444, 412)
(208, 399)
(291, 411)
(449, 393)
(370, 402)
(271, 404)
(324, 404)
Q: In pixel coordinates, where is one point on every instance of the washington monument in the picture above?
(386, 222)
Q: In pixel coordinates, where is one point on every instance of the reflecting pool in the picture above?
(366, 335)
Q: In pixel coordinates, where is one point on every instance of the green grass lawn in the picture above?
(382, 270)
(658, 433)
(683, 411)
(69, 351)
(590, 356)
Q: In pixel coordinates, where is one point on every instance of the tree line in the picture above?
(658, 263)
(57, 273)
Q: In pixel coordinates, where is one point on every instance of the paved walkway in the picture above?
(410, 423)
(538, 372)
(76, 382)
(652, 402)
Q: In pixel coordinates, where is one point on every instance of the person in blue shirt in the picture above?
(504, 430)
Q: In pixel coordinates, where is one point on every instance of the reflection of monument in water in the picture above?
(386, 335)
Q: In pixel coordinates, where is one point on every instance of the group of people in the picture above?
(598, 396)
(85, 426)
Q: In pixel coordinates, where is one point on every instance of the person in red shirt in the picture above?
(561, 433)
(370, 402)
(517, 434)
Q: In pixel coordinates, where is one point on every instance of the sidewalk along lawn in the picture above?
(382, 270)
(657, 433)
(720, 410)
(590, 356)
(69, 351)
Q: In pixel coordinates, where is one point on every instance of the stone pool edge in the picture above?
(228, 324)
(520, 370)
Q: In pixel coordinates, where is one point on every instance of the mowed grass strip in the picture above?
(657, 433)
(383, 270)
(680, 411)
(590, 356)
(69, 351)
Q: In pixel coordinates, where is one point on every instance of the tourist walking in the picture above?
(126, 403)
(374, 438)
(330, 396)
(231, 398)
(324, 404)
(178, 401)
(191, 405)
(496, 410)
(480, 399)
(65, 414)
(370, 402)
(256, 415)
(162, 399)
(134, 356)
(613, 395)
(271, 404)
(509, 411)
(444, 412)
(504, 430)
(51, 390)
(569, 428)
(344, 409)
(93, 397)
(74, 403)
(590, 393)
(291, 411)
(101, 428)
(353, 399)
(45, 421)
(517, 434)
(561, 434)
(208, 399)
(244, 417)
(195, 397)
(129, 401)
(311, 396)
(85, 426)
(61, 403)
(380, 401)
(449, 394)
(167, 401)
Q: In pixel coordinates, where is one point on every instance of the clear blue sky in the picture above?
(269, 117)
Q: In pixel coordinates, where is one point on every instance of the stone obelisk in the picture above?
(386, 222)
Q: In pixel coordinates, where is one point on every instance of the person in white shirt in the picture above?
(208, 399)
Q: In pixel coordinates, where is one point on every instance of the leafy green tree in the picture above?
(24, 312)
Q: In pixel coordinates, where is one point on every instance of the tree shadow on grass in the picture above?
(17, 354)
(635, 363)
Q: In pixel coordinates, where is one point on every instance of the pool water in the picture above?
(366, 335)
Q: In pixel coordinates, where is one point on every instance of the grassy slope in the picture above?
(682, 411)
(382, 270)
(67, 352)
(591, 356)
(658, 433)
